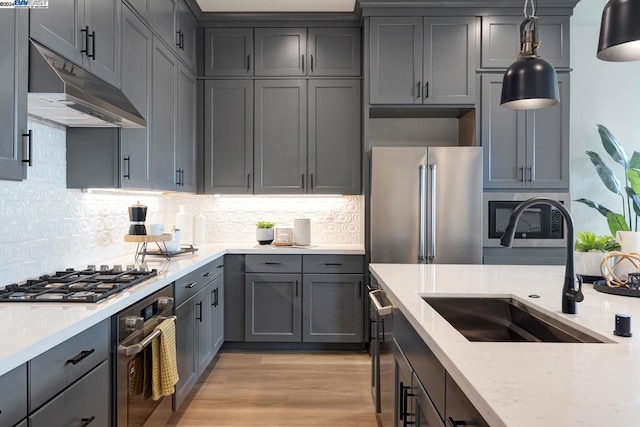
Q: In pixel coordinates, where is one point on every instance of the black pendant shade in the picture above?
(530, 83)
(620, 31)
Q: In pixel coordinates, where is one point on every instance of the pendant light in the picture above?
(620, 31)
(529, 83)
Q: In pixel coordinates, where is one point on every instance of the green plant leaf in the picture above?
(616, 223)
(603, 211)
(611, 146)
(634, 178)
(605, 173)
(636, 199)
(265, 224)
(635, 160)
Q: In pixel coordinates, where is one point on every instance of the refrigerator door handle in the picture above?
(434, 210)
(422, 229)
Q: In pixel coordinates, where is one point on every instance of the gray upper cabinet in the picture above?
(135, 148)
(501, 40)
(334, 51)
(163, 117)
(163, 16)
(422, 61)
(396, 60)
(186, 35)
(280, 136)
(228, 135)
(186, 138)
(281, 52)
(334, 137)
(524, 149)
(13, 91)
(86, 32)
(143, 7)
(228, 52)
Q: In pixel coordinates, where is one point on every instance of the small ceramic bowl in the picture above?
(172, 245)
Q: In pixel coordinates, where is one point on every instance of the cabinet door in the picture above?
(185, 350)
(334, 51)
(143, 7)
(163, 13)
(203, 329)
(404, 409)
(13, 90)
(548, 142)
(137, 50)
(13, 388)
(334, 136)
(103, 19)
(234, 299)
(280, 136)
(503, 138)
(186, 43)
(501, 40)
(186, 141)
(228, 52)
(281, 51)
(58, 28)
(272, 307)
(228, 135)
(425, 413)
(216, 294)
(396, 60)
(449, 61)
(163, 117)
(332, 308)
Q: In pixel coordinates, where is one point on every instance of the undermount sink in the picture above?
(505, 320)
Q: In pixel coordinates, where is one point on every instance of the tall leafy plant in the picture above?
(629, 192)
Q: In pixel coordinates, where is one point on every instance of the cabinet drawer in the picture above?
(59, 367)
(192, 283)
(332, 264)
(273, 263)
(84, 403)
(13, 389)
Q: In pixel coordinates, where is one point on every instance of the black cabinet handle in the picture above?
(454, 423)
(426, 90)
(273, 263)
(521, 169)
(296, 289)
(87, 421)
(85, 30)
(303, 63)
(178, 177)
(248, 63)
(215, 297)
(220, 266)
(200, 316)
(311, 179)
(360, 289)
(178, 38)
(92, 55)
(530, 171)
(405, 409)
(401, 402)
(182, 177)
(418, 86)
(191, 285)
(81, 356)
(312, 63)
(248, 181)
(28, 135)
(127, 167)
(207, 274)
(181, 40)
(333, 264)
(303, 181)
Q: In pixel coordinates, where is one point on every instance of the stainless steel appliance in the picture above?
(133, 331)
(381, 349)
(83, 286)
(539, 226)
(426, 205)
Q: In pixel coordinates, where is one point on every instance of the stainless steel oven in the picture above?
(539, 226)
(381, 348)
(133, 333)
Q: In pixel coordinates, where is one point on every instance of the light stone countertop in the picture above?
(29, 329)
(527, 384)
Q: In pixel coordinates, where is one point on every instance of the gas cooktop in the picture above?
(89, 285)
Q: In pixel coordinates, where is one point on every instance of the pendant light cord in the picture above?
(533, 8)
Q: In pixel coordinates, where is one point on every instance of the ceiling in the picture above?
(276, 5)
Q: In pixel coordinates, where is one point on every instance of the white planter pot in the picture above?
(588, 263)
(264, 236)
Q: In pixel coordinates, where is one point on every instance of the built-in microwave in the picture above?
(539, 226)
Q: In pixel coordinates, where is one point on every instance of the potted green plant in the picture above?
(590, 250)
(264, 232)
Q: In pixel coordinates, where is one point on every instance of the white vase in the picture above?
(264, 236)
(588, 263)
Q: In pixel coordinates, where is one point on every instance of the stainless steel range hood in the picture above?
(63, 92)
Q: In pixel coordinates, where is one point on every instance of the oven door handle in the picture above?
(138, 347)
(381, 310)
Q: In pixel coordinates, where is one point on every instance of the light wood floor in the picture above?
(292, 389)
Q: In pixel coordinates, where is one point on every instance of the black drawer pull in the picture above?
(207, 274)
(192, 285)
(81, 356)
(273, 263)
(333, 264)
(220, 266)
(87, 421)
(454, 423)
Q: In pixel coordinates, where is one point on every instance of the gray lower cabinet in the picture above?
(185, 144)
(281, 52)
(203, 325)
(13, 90)
(524, 149)
(228, 52)
(334, 143)
(86, 32)
(501, 40)
(334, 52)
(228, 134)
(273, 307)
(84, 403)
(234, 301)
(13, 389)
(280, 140)
(418, 60)
(216, 306)
(185, 354)
(163, 20)
(332, 308)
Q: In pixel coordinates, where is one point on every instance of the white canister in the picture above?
(184, 222)
(302, 232)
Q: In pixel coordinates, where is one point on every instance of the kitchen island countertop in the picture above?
(527, 384)
(29, 329)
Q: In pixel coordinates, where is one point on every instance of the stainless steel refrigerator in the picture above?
(426, 205)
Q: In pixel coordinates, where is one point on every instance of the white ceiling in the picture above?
(276, 5)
